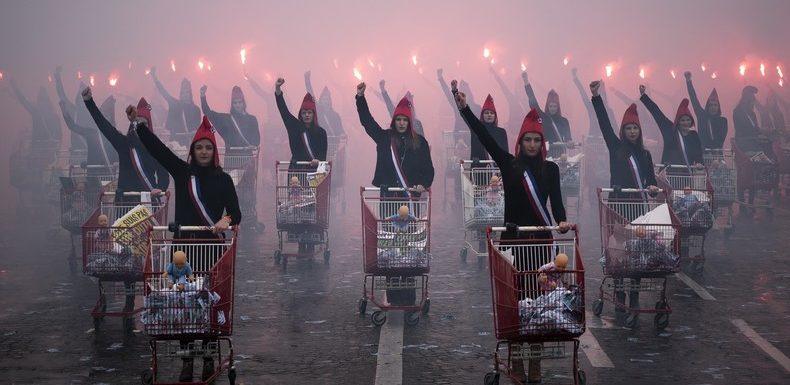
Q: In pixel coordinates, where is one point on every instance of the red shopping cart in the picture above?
(196, 318)
(484, 205)
(396, 252)
(758, 173)
(569, 157)
(241, 163)
(302, 213)
(724, 180)
(538, 309)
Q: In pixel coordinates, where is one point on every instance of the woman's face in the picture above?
(401, 124)
(552, 108)
(238, 105)
(307, 116)
(489, 116)
(714, 108)
(531, 144)
(684, 124)
(204, 152)
(631, 132)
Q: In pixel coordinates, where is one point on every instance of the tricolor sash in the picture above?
(531, 186)
(194, 194)
(138, 168)
(683, 150)
(306, 143)
(398, 168)
(635, 172)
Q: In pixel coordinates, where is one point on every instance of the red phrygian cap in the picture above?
(683, 110)
(308, 103)
(205, 131)
(489, 105)
(553, 97)
(630, 117)
(144, 110)
(404, 108)
(532, 123)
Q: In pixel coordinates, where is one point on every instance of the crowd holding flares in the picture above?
(113, 81)
(173, 65)
(762, 69)
(565, 61)
(742, 70)
(357, 74)
(200, 64)
(243, 54)
(672, 73)
(642, 73)
(92, 81)
(609, 70)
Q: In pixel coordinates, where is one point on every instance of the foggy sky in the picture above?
(286, 38)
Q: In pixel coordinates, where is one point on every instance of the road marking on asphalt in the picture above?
(761, 343)
(701, 292)
(592, 349)
(389, 360)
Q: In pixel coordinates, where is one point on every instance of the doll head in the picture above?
(103, 221)
(495, 181)
(179, 259)
(295, 182)
(561, 261)
(564, 157)
(403, 212)
(640, 232)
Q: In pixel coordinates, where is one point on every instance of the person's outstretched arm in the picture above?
(308, 84)
(587, 101)
(372, 128)
(664, 124)
(115, 138)
(288, 118)
(161, 88)
(387, 99)
(212, 115)
(70, 123)
(533, 101)
(22, 99)
(445, 89)
(163, 155)
(499, 155)
(61, 92)
(612, 141)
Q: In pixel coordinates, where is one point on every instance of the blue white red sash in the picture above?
(194, 194)
(635, 172)
(306, 143)
(531, 186)
(683, 150)
(138, 168)
(398, 168)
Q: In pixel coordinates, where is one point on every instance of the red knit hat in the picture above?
(683, 110)
(532, 123)
(630, 117)
(144, 110)
(308, 103)
(236, 93)
(404, 108)
(553, 97)
(489, 106)
(205, 131)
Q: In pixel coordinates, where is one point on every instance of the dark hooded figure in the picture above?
(336, 135)
(44, 133)
(137, 170)
(459, 126)
(403, 158)
(712, 126)
(98, 153)
(307, 139)
(557, 127)
(530, 182)
(771, 117)
(682, 145)
(490, 119)
(182, 113)
(237, 128)
(514, 107)
(744, 119)
(76, 110)
(391, 106)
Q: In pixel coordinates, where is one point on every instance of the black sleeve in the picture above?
(163, 91)
(162, 177)
(372, 128)
(232, 203)
(255, 134)
(698, 109)
(555, 193)
(72, 125)
(499, 155)
(612, 141)
(288, 118)
(427, 170)
(322, 145)
(212, 115)
(113, 136)
(664, 124)
(163, 155)
(695, 153)
(651, 176)
(533, 101)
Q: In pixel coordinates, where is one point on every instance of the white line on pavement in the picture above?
(761, 343)
(389, 361)
(594, 352)
(598, 322)
(701, 292)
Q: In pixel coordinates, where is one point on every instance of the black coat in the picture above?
(518, 209)
(182, 118)
(553, 125)
(216, 187)
(416, 162)
(223, 122)
(295, 128)
(619, 153)
(673, 153)
(712, 128)
(128, 180)
(98, 153)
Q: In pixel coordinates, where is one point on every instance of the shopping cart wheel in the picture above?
(661, 320)
(464, 252)
(362, 305)
(597, 307)
(581, 376)
(631, 320)
(147, 377)
(128, 325)
(412, 318)
(327, 254)
(97, 321)
(232, 376)
(426, 306)
(491, 378)
(277, 256)
(378, 318)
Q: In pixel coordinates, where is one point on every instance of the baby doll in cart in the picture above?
(179, 271)
(401, 222)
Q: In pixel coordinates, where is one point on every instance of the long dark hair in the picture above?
(412, 140)
(193, 167)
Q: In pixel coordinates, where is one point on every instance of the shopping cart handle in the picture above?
(132, 193)
(529, 228)
(466, 161)
(628, 190)
(241, 148)
(174, 226)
